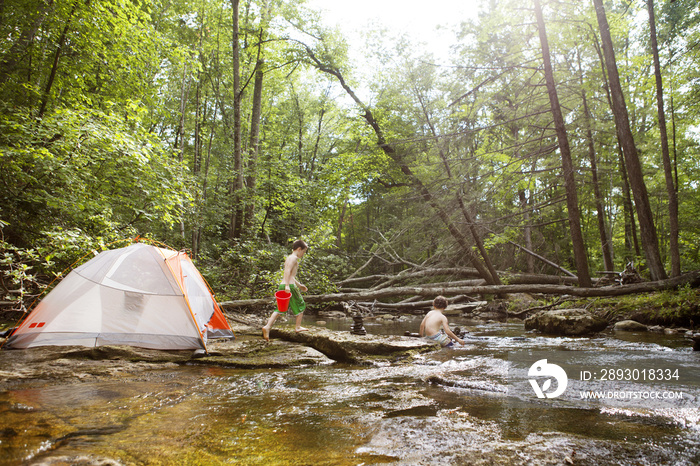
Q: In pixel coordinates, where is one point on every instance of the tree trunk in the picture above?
(12, 57)
(459, 194)
(666, 156)
(650, 241)
(184, 92)
(631, 238)
(255, 116)
(527, 230)
(54, 67)
(197, 149)
(631, 243)
(254, 143)
(196, 165)
(341, 219)
(237, 183)
(180, 135)
(567, 163)
(605, 243)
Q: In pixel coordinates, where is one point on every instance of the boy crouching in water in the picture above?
(291, 285)
(435, 322)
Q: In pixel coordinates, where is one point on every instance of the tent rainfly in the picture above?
(140, 295)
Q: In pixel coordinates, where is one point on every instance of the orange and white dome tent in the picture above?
(140, 295)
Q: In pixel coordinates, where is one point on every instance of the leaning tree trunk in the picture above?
(567, 164)
(647, 229)
(459, 194)
(666, 156)
(390, 151)
(631, 243)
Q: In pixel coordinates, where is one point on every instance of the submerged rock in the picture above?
(460, 382)
(569, 322)
(76, 460)
(696, 341)
(332, 314)
(630, 326)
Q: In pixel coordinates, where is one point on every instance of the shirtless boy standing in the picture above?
(292, 285)
(435, 321)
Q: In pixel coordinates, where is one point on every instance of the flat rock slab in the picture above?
(50, 363)
(346, 347)
(258, 353)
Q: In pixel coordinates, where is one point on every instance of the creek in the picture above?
(465, 405)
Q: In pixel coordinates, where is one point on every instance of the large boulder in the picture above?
(630, 326)
(570, 322)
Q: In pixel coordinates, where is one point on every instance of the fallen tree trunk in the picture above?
(692, 278)
(511, 278)
(428, 272)
(459, 283)
(539, 279)
(426, 304)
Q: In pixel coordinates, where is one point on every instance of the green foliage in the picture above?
(678, 307)
(253, 268)
(246, 269)
(18, 279)
(85, 176)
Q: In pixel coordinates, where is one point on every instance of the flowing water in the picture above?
(465, 405)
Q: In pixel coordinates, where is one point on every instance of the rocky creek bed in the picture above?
(326, 397)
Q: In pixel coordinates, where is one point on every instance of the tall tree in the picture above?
(255, 117)
(580, 258)
(459, 192)
(647, 228)
(665, 155)
(605, 242)
(630, 225)
(237, 184)
(56, 58)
